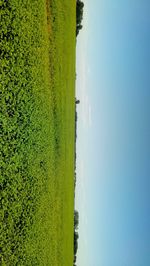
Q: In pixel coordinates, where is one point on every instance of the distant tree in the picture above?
(76, 220)
(79, 15)
(77, 101)
(76, 235)
(79, 27)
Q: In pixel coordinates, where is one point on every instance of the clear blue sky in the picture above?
(113, 144)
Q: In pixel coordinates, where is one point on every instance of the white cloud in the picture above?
(86, 115)
(82, 85)
(81, 187)
(90, 116)
(81, 199)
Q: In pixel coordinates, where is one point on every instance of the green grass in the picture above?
(37, 90)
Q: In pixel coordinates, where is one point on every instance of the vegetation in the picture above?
(79, 15)
(76, 235)
(76, 118)
(76, 214)
(37, 44)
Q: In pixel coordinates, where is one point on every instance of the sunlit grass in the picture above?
(37, 138)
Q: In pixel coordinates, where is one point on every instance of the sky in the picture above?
(113, 137)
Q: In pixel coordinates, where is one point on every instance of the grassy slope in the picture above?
(38, 79)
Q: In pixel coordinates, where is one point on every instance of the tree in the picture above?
(76, 220)
(79, 15)
(76, 235)
(77, 101)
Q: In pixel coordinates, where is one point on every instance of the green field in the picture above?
(37, 114)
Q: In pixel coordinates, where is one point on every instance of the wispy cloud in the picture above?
(84, 72)
(81, 187)
(86, 114)
(82, 85)
(81, 199)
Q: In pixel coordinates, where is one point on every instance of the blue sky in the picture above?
(113, 144)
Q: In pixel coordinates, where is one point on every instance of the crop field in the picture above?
(37, 114)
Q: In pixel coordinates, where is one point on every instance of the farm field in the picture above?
(37, 121)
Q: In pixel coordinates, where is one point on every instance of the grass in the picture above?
(37, 90)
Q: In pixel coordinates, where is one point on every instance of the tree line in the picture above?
(76, 235)
(79, 18)
(79, 15)
(76, 214)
